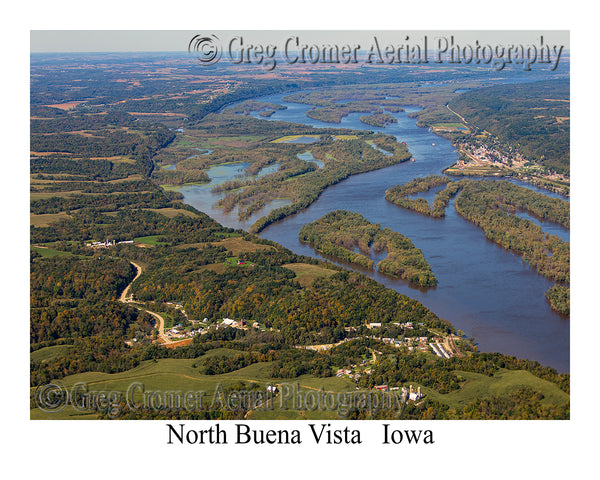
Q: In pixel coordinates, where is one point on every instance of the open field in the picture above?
(293, 138)
(213, 267)
(48, 252)
(449, 127)
(189, 140)
(68, 413)
(66, 105)
(306, 274)
(45, 195)
(182, 375)
(148, 240)
(45, 219)
(345, 137)
(477, 171)
(502, 383)
(238, 245)
(172, 212)
(47, 353)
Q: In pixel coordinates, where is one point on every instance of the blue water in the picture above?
(306, 139)
(484, 290)
(201, 196)
(308, 157)
(174, 166)
(385, 152)
(548, 227)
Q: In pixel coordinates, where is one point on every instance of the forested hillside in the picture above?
(533, 116)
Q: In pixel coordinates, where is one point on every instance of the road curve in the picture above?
(125, 298)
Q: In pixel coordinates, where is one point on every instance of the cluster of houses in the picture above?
(489, 155)
(413, 343)
(404, 325)
(419, 343)
(355, 376)
(243, 262)
(347, 372)
(176, 333)
(106, 244)
(179, 333)
(407, 393)
(228, 322)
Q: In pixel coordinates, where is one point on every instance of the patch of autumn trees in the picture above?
(339, 233)
(491, 205)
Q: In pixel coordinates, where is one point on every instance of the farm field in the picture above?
(306, 274)
(46, 219)
(182, 375)
(48, 353)
(117, 151)
(503, 382)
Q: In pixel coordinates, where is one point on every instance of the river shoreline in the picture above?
(483, 290)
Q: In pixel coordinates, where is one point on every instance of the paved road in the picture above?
(125, 298)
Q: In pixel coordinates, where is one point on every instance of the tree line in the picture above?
(340, 232)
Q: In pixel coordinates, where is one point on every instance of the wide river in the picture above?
(485, 291)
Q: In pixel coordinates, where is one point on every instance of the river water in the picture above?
(485, 291)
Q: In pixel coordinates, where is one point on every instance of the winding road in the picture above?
(126, 298)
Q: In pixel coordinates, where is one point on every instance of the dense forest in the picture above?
(342, 158)
(99, 136)
(339, 233)
(489, 205)
(398, 195)
(559, 297)
(378, 119)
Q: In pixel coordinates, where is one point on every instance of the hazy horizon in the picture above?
(173, 41)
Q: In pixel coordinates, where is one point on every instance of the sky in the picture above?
(178, 40)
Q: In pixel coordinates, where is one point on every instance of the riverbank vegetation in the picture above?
(378, 119)
(339, 233)
(301, 182)
(399, 194)
(491, 205)
(559, 297)
(342, 158)
(99, 139)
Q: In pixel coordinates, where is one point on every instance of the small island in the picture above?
(399, 194)
(492, 206)
(378, 119)
(340, 233)
(264, 109)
